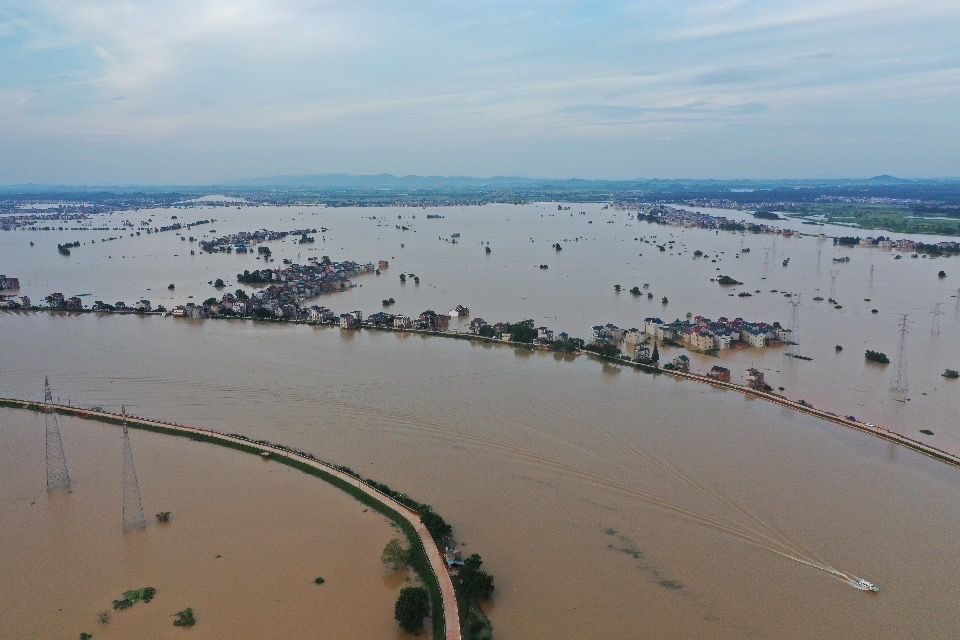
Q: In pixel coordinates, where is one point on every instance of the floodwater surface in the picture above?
(607, 502)
(246, 540)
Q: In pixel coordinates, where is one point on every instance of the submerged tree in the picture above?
(394, 555)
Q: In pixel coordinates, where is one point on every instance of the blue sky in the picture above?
(198, 91)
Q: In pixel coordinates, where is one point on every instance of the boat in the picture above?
(863, 585)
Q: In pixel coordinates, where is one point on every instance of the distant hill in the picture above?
(888, 179)
(391, 181)
(382, 180)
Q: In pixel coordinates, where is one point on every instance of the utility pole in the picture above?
(132, 505)
(901, 386)
(58, 477)
(833, 283)
(935, 327)
(956, 305)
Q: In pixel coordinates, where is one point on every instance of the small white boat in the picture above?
(863, 585)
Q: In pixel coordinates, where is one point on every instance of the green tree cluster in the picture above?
(522, 331)
(412, 607)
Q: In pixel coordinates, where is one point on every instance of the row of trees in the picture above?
(472, 583)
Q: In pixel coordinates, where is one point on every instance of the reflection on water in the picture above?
(607, 502)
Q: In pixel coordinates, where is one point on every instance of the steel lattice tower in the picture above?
(935, 327)
(132, 505)
(57, 475)
(901, 385)
(794, 325)
(833, 283)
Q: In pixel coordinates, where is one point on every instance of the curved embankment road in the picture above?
(437, 562)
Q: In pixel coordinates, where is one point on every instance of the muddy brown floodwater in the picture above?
(246, 541)
(607, 502)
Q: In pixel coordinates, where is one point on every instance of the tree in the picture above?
(655, 356)
(209, 301)
(617, 288)
(412, 607)
(436, 525)
(185, 618)
(474, 583)
(522, 331)
(942, 274)
(394, 555)
(486, 331)
(241, 295)
(219, 283)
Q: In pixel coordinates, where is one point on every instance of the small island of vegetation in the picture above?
(877, 356)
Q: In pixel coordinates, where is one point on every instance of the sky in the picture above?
(207, 91)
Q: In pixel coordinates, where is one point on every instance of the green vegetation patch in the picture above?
(185, 618)
(132, 597)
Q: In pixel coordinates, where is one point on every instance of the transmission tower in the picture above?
(935, 327)
(901, 385)
(833, 283)
(57, 475)
(132, 505)
(794, 325)
(871, 275)
(766, 258)
(956, 305)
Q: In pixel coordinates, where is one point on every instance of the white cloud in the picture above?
(140, 43)
(888, 11)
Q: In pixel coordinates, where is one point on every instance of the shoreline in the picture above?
(427, 559)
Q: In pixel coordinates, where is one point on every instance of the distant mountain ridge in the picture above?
(411, 181)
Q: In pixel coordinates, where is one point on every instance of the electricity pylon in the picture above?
(935, 327)
(794, 325)
(901, 384)
(58, 477)
(132, 505)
